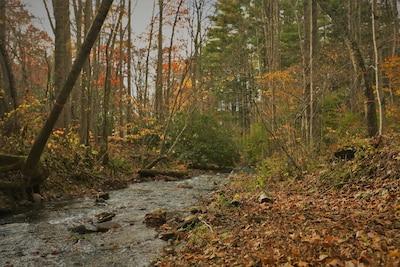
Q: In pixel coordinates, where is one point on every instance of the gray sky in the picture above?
(141, 15)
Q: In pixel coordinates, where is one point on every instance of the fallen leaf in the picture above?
(394, 253)
(322, 257)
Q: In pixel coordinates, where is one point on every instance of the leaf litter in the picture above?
(323, 219)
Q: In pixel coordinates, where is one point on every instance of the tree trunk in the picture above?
(354, 15)
(159, 72)
(86, 81)
(62, 54)
(109, 50)
(9, 100)
(143, 96)
(30, 167)
(129, 103)
(377, 67)
(310, 45)
(272, 37)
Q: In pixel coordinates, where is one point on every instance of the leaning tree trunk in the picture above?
(31, 169)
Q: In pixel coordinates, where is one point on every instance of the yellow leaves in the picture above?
(394, 253)
(58, 132)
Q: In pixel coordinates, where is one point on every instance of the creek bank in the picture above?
(43, 237)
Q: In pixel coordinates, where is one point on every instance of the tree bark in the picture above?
(272, 38)
(62, 54)
(354, 15)
(30, 167)
(310, 48)
(377, 67)
(9, 100)
(159, 74)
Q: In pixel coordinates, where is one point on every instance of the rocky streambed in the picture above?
(50, 236)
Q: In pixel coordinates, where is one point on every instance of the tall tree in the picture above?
(86, 85)
(354, 15)
(62, 53)
(8, 99)
(310, 48)
(271, 27)
(375, 14)
(159, 71)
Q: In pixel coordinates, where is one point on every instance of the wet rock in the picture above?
(106, 226)
(37, 198)
(105, 217)
(104, 196)
(84, 229)
(101, 199)
(155, 218)
(184, 186)
(169, 235)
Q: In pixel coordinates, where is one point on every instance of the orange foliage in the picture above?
(287, 92)
(391, 67)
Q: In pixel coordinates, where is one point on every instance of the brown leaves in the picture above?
(356, 225)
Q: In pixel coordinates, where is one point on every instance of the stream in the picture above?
(43, 237)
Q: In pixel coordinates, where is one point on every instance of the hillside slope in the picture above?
(347, 213)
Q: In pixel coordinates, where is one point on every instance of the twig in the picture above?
(209, 226)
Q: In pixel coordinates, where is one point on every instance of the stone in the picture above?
(84, 229)
(37, 198)
(103, 195)
(155, 218)
(106, 226)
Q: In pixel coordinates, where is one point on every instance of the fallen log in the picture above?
(11, 162)
(146, 173)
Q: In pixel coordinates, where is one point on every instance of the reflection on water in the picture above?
(41, 237)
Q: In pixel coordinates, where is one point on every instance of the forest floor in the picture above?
(346, 213)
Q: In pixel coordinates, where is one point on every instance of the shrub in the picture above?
(205, 142)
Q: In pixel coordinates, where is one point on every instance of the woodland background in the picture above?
(276, 85)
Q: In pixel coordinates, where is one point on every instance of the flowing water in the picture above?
(42, 236)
